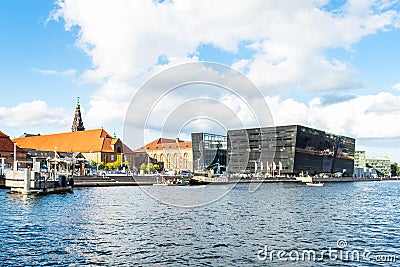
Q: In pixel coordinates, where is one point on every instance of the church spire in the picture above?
(77, 124)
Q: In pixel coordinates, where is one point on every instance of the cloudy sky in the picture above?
(332, 65)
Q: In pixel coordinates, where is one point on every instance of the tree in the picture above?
(102, 165)
(149, 167)
(394, 169)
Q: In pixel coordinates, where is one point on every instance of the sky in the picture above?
(331, 65)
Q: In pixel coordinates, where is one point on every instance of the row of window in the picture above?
(168, 163)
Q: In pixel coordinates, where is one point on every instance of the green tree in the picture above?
(102, 165)
(149, 168)
(394, 169)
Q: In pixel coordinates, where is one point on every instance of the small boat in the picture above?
(315, 184)
(180, 184)
(170, 182)
(203, 180)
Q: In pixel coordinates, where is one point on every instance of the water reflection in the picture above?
(123, 225)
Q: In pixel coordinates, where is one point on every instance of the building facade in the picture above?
(173, 154)
(359, 159)
(291, 150)
(7, 152)
(208, 149)
(94, 145)
(381, 165)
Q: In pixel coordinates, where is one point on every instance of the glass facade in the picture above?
(208, 149)
(320, 152)
(257, 149)
(289, 149)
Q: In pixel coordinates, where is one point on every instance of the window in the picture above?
(175, 160)
(168, 161)
(185, 161)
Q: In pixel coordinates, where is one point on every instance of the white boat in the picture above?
(215, 179)
(315, 184)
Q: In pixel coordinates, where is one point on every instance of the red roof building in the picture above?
(95, 145)
(7, 152)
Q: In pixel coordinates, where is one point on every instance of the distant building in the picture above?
(381, 165)
(94, 145)
(290, 150)
(365, 173)
(7, 152)
(359, 159)
(174, 154)
(77, 124)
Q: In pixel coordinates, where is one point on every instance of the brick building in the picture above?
(7, 152)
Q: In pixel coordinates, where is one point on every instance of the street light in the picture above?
(15, 157)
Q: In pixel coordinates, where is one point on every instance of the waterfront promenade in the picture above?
(137, 180)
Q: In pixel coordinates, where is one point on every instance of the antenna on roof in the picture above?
(77, 102)
(115, 135)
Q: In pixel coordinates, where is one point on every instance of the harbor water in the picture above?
(277, 224)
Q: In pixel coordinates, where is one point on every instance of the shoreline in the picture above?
(111, 181)
(88, 181)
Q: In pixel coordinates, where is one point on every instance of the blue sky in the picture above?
(29, 44)
(315, 61)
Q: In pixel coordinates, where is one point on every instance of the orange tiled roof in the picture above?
(97, 140)
(165, 143)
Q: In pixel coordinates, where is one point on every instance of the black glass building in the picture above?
(292, 149)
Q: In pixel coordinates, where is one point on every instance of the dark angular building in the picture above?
(292, 150)
(208, 150)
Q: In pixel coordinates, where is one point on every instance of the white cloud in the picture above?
(124, 40)
(33, 113)
(64, 73)
(361, 117)
(396, 86)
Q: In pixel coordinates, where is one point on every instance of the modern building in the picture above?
(289, 150)
(173, 154)
(7, 152)
(359, 159)
(365, 173)
(208, 150)
(381, 165)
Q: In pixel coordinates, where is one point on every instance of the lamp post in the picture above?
(15, 167)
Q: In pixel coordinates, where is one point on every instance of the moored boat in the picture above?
(202, 180)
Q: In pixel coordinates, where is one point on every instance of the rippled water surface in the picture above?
(125, 226)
